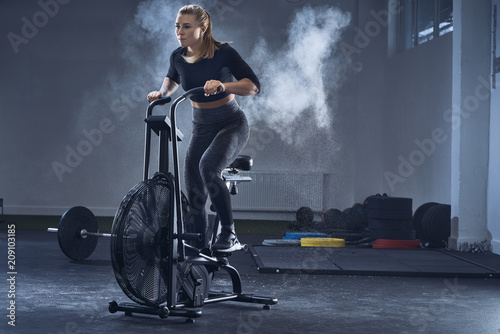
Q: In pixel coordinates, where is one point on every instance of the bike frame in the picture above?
(167, 130)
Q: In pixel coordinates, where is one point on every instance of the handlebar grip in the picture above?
(161, 101)
(194, 91)
(199, 91)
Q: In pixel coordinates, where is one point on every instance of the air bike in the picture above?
(152, 252)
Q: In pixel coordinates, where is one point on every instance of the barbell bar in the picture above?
(84, 233)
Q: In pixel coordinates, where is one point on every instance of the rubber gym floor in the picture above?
(56, 295)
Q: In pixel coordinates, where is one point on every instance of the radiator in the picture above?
(279, 192)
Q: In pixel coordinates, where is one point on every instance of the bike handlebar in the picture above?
(161, 101)
(194, 91)
(199, 91)
(166, 99)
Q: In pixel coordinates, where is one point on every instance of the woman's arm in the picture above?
(243, 87)
(168, 87)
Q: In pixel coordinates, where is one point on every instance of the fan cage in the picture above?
(139, 248)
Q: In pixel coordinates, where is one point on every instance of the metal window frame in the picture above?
(414, 24)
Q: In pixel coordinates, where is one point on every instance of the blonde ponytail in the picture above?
(209, 45)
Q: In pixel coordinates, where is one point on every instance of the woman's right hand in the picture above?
(154, 95)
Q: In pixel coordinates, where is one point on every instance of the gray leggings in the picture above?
(219, 135)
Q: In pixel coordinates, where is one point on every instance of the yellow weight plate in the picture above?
(322, 242)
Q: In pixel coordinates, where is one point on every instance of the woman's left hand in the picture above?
(212, 87)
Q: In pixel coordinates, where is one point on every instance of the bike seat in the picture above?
(242, 162)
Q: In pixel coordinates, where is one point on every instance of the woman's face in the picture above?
(188, 31)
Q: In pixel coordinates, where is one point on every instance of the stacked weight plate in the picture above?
(390, 218)
(433, 223)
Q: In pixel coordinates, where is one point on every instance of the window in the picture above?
(445, 23)
(420, 21)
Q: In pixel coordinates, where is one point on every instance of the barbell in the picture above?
(77, 233)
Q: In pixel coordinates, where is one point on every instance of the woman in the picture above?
(220, 128)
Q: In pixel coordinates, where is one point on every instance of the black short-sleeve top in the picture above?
(225, 64)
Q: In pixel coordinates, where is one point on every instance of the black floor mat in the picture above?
(373, 262)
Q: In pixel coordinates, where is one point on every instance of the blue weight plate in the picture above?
(300, 235)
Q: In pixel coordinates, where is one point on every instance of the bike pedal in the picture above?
(220, 254)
